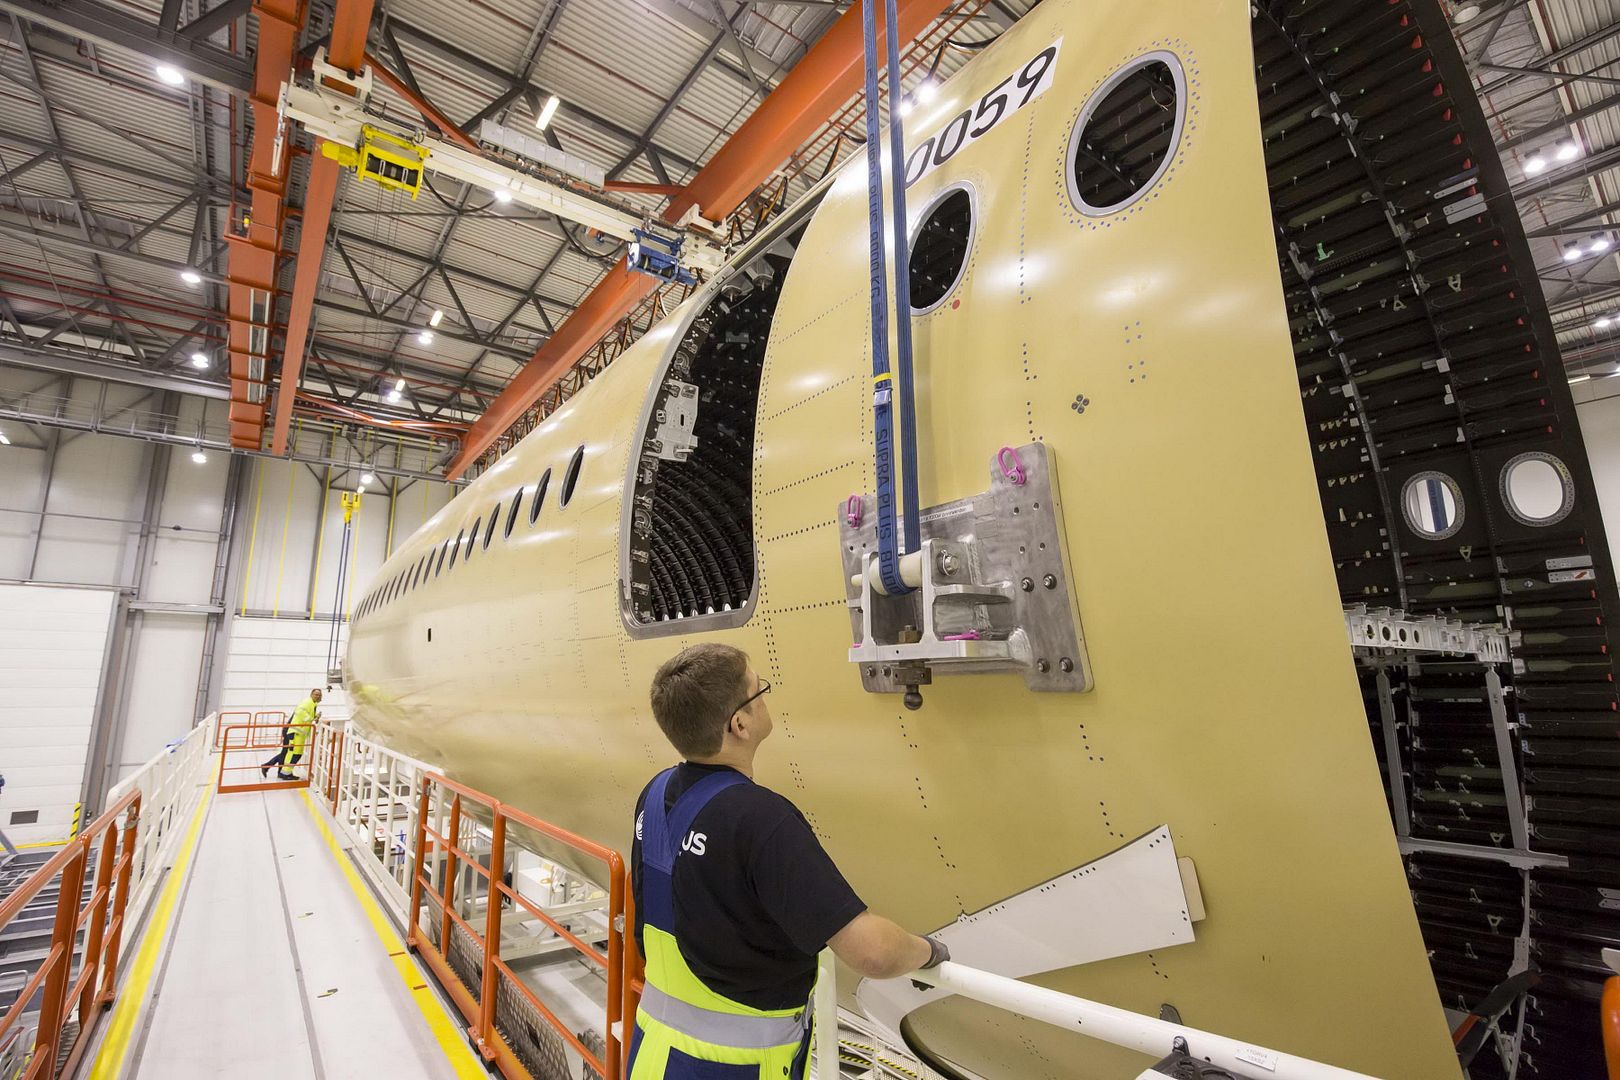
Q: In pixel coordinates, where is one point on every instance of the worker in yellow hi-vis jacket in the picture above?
(294, 737)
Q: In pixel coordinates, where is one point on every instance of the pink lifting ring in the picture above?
(1014, 470)
(852, 511)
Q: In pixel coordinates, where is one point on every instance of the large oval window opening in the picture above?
(1432, 505)
(940, 249)
(1126, 135)
(571, 477)
(539, 496)
(1537, 489)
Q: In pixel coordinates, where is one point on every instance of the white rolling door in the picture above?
(53, 653)
(274, 663)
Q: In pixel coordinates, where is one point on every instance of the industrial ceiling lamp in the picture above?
(1568, 150)
(170, 74)
(4, 441)
(1536, 164)
(199, 457)
(1603, 322)
(424, 337)
(1600, 242)
(1572, 252)
(547, 111)
(190, 276)
(436, 318)
(199, 360)
(367, 478)
(928, 90)
(1467, 13)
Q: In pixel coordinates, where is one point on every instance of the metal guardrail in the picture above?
(68, 1007)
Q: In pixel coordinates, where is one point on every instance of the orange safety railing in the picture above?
(448, 858)
(219, 727)
(326, 763)
(240, 747)
(100, 920)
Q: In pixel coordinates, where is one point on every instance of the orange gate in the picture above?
(100, 920)
(241, 749)
(432, 939)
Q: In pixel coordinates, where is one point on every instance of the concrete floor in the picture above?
(274, 969)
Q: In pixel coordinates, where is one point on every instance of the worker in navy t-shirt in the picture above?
(734, 895)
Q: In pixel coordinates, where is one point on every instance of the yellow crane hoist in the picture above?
(388, 159)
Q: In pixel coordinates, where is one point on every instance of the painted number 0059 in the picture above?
(1003, 99)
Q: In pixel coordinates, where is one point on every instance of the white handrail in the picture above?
(1146, 1034)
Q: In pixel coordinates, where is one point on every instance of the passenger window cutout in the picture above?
(1537, 489)
(512, 514)
(1126, 136)
(687, 532)
(940, 246)
(571, 477)
(494, 519)
(539, 497)
(455, 548)
(472, 540)
(438, 564)
(1432, 504)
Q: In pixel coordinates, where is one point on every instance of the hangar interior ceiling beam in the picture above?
(351, 23)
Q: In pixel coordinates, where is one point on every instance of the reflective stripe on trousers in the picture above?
(726, 1029)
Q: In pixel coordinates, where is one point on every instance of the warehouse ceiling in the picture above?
(118, 188)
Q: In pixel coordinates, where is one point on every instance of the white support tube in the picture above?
(826, 1017)
(1121, 1027)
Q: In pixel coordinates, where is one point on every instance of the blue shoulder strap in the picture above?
(661, 835)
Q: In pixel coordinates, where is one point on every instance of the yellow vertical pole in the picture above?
(253, 533)
(354, 558)
(388, 545)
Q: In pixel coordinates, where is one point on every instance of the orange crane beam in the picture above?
(824, 79)
(350, 24)
(255, 246)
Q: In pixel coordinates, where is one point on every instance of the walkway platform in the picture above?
(276, 962)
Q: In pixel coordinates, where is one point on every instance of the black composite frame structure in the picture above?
(1431, 379)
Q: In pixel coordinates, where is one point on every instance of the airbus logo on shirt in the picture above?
(638, 823)
(695, 842)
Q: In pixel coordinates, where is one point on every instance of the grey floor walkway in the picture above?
(274, 969)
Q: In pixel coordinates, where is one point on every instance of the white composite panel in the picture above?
(53, 648)
(274, 663)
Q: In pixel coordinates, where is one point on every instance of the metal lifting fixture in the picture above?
(335, 106)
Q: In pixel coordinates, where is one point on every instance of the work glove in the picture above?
(938, 953)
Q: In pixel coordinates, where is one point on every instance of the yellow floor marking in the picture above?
(133, 994)
(448, 1033)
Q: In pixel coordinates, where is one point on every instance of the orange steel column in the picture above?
(347, 50)
(827, 77)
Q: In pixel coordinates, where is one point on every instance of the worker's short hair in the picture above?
(695, 693)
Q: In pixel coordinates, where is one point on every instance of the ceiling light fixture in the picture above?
(1572, 252)
(170, 74)
(4, 441)
(503, 196)
(199, 457)
(436, 318)
(1535, 165)
(1567, 151)
(393, 397)
(1603, 322)
(199, 360)
(1580, 379)
(906, 105)
(928, 91)
(1599, 243)
(400, 385)
(547, 111)
(1466, 14)
(366, 478)
(190, 277)
(425, 337)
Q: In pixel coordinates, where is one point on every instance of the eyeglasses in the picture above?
(764, 688)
